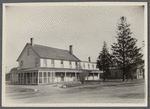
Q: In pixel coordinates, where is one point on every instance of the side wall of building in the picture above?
(28, 59)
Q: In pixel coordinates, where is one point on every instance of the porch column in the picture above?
(93, 76)
(23, 78)
(26, 78)
(87, 76)
(98, 75)
(20, 78)
(38, 77)
(75, 76)
(42, 77)
(51, 75)
(29, 78)
(47, 76)
(32, 77)
(65, 77)
(54, 75)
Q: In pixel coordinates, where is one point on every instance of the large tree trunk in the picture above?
(123, 75)
(104, 75)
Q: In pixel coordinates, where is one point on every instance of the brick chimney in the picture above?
(70, 49)
(89, 59)
(32, 41)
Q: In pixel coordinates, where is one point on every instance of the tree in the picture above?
(125, 51)
(82, 76)
(104, 61)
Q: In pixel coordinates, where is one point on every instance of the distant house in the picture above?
(117, 74)
(39, 64)
(140, 72)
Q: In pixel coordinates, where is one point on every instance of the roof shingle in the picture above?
(53, 53)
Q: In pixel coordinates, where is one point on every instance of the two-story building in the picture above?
(39, 64)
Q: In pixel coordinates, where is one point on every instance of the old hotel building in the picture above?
(43, 65)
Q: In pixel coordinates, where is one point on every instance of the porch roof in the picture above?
(93, 71)
(58, 70)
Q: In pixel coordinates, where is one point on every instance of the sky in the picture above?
(84, 27)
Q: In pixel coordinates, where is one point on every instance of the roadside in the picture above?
(90, 92)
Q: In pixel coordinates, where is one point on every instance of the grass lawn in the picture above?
(115, 82)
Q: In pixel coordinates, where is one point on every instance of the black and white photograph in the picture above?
(70, 54)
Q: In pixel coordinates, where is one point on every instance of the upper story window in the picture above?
(21, 63)
(76, 64)
(93, 66)
(70, 64)
(83, 65)
(28, 52)
(44, 62)
(88, 65)
(52, 63)
(36, 62)
(62, 63)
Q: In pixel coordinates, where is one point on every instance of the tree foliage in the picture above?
(104, 61)
(125, 51)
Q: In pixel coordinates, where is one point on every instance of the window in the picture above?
(52, 63)
(21, 78)
(70, 75)
(83, 65)
(44, 74)
(62, 64)
(70, 64)
(28, 52)
(88, 65)
(21, 63)
(40, 74)
(44, 62)
(76, 64)
(36, 62)
(45, 77)
(49, 74)
(40, 77)
(53, 77)
(93, 66)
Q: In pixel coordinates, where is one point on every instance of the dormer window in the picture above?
(28, 52)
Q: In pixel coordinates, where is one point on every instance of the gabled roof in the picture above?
(52, 53)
